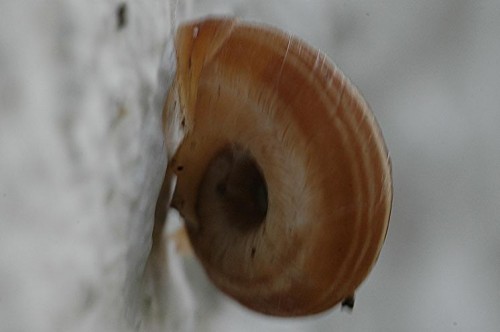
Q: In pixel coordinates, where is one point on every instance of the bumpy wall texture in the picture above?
(81, 89)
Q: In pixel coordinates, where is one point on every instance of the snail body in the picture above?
(283, 177)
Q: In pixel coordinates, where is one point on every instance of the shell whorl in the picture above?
(283, 177)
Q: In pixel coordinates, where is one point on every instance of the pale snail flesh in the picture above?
(283, 177)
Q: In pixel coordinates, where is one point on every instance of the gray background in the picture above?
(431, 72)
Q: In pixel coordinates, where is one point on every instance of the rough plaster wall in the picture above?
(81, 159)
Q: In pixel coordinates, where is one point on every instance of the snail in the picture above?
(283, 176)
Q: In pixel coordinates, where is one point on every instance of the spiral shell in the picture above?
(283, 177)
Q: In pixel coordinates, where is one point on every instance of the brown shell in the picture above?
(316, 144)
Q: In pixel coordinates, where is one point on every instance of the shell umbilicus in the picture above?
(283, 177)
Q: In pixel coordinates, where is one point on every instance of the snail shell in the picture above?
(283, 177)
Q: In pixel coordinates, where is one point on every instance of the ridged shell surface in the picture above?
(320, 152)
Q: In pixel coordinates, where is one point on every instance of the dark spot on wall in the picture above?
(121, 16)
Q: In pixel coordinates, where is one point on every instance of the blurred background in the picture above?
(81, 93)
(430, 71)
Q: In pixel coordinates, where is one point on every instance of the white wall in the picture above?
(81, 156)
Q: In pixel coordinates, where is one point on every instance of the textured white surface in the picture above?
(81, 155)
(81, 160)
